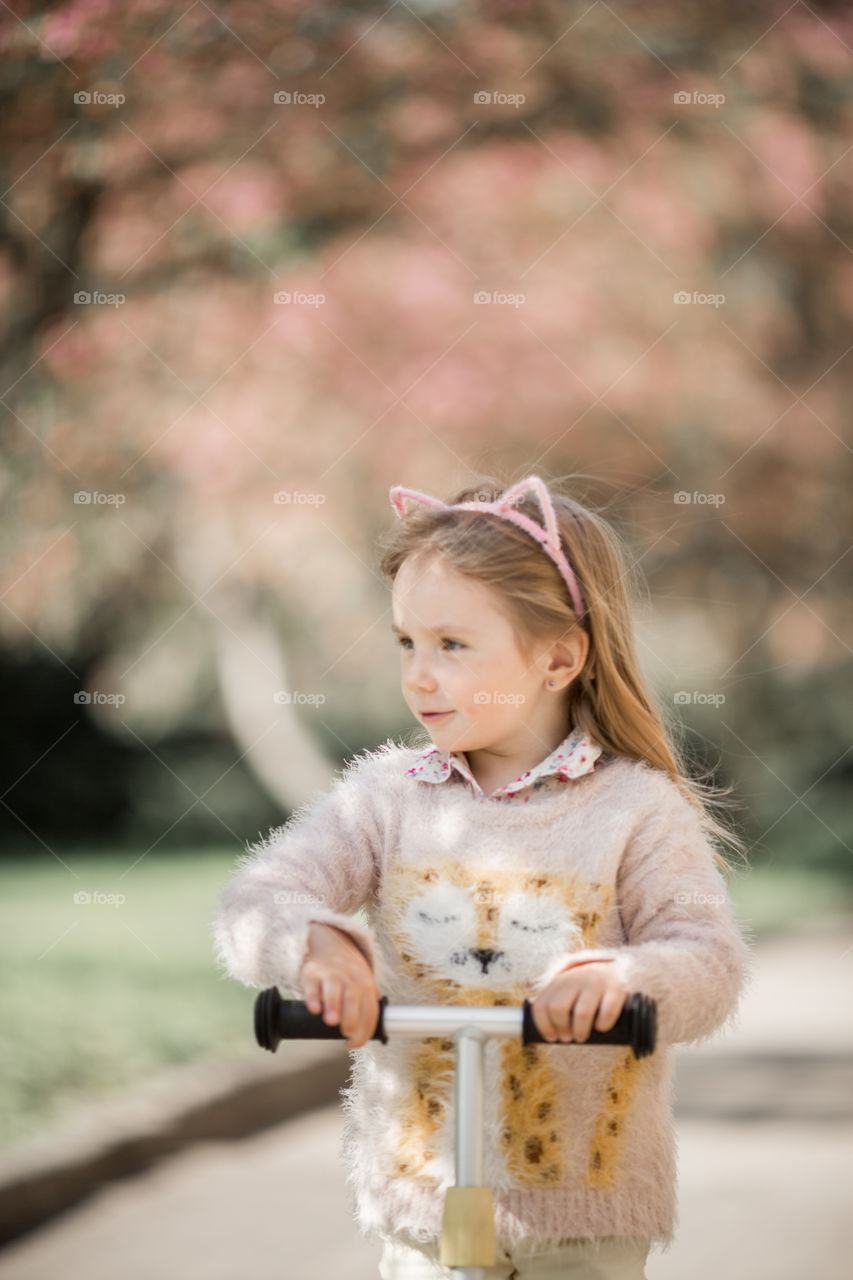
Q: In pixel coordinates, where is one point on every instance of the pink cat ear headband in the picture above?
(549, 537)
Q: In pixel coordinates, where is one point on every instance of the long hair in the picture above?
(609, 700)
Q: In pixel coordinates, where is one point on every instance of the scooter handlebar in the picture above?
(277, 1019)
(635, 1026)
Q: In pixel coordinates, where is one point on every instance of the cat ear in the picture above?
(399, 494)
(534, 484)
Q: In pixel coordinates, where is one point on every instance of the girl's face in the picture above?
(460, 656)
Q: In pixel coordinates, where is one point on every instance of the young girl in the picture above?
(540, 841)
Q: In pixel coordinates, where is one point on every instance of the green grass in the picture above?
(789, 899)
(97, 997)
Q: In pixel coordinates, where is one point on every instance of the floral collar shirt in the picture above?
(572, 758)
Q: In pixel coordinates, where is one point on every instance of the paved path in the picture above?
(765, 1124)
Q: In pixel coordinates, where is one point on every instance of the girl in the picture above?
(541, 840)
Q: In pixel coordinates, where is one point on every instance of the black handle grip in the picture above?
(636, 1026)
(277, 1019)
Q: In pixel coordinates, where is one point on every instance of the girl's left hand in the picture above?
(581, 996)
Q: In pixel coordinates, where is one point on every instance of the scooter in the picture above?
(468, 1224)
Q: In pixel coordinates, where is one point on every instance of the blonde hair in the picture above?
(609, 700)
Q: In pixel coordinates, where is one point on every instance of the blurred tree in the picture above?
(282, 216)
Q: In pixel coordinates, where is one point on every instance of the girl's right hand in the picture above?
(336, 977)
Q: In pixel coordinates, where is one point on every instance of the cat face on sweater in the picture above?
(458, 927)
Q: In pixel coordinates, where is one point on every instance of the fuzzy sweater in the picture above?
(481, 900)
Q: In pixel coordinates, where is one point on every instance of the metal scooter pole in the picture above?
(468, 1226)
(468, 1229)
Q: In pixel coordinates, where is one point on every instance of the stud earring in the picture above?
(550, 684)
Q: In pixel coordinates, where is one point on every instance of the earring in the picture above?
(550, 684)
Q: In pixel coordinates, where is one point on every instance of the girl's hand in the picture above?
(581, 996)
(336, 977)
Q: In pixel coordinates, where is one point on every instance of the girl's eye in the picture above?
(404, 641)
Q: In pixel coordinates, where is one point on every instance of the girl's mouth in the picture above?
(435, 715)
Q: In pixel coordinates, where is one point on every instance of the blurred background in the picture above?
(261, 261)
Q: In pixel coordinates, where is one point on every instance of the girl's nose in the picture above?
(418, 676)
